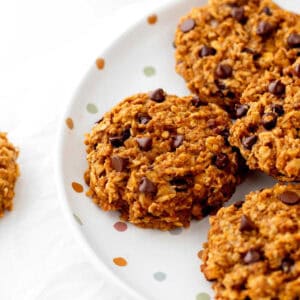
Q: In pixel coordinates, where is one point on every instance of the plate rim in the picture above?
(65, 207)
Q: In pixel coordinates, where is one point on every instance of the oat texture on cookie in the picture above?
(9, 172)
(222, 46)
(161, 160)
(267, 131)
(253, 247)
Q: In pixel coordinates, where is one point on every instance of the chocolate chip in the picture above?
(197, 102)
(264, 29)
(118, 163)
(249, 141)
(207, 51)
(297, 70)
(220, 160)
(147, 186)
(126, 134)
(157, 95)
(228, 190)
(187, 25)
(238, 204)
(277, 88)
(145, 143)
(116, 141)
(289, 198)
(267, 11)
(294, 40)
(177, 140)
(269, 120)
(246, 224)
(238, 13)
(251, 257)
(224, 71)
(277, 109)
(241, 110)
(144, 119)
(180, 183)
(287, 264)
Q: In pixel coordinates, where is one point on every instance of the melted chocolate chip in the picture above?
(177, 140)
(197, 102)
(264, 29)
(145, 143)
(228, 190)
(223, 71)
(251, 257)
(267, 11)
(181, 184)
(294, 40)
(116, 141)
(277, 109)
(118, 163)
(287, 264)
(144, 119)
(157, 95)
(238, 13)
(147, 186)
(241, 110)
(126, 134)
(249, 141)
(289, 198)
(276, 88)
(220, 160)
(255, 54)
(207, 51)
(187, 25)
(246, 224)
(269, 120)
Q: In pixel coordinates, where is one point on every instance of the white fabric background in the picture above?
(46, 47)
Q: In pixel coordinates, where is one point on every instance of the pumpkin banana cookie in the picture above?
(253, 248)
(222, 46)
(161, 160)
(9, 172)
(268, 129)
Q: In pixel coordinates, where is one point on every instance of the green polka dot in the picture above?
(202, 296)
(149, 71)
(92, 108)
(160, 276)
(77, 219)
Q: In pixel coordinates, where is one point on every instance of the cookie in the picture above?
(161, 160)
(229, 42)
(267, 131)
(9, 172)
(253, 248)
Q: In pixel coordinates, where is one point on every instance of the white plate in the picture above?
(160, 265)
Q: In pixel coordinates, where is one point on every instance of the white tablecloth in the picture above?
(46, 47)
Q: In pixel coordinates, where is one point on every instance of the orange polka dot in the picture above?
(77, 187)
(100, 63)
(70, 123)
(120, 261)
(152, 19)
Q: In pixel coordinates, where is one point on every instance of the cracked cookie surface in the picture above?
(253, 248)
(161, 160)
(9, 172)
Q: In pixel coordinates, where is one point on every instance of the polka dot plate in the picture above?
(146, 264)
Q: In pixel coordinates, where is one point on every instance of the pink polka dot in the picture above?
(120, 226)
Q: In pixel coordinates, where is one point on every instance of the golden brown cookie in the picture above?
(253, 248)
(268, 129)
(161, 160)
(222, 46)
(9, 172)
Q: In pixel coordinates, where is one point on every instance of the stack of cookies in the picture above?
(163, 160)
